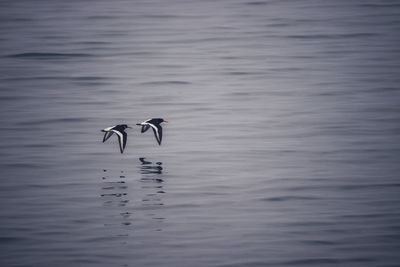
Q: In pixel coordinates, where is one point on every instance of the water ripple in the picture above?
(45, 56)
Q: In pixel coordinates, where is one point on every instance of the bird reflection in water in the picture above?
(153, 186)
(114, 192)
(149, 168)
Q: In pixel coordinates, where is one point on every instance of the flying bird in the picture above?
(155, 125)
(120, 131)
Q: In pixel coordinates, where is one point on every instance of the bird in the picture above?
(154, 123)
(120, 131)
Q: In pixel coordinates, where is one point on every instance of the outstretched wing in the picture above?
(108, 129)
(107, 135)
(122, 137)
(125, 135)
(157, 132)
(145, 128)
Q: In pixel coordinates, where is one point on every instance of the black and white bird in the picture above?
(120, 131)
(155, 125)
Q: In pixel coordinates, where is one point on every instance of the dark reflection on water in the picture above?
(115, 195)
(123, 196)
(149, 167)
(152, 185)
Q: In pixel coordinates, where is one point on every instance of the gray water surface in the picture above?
(282, 147)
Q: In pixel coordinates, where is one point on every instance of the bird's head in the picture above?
(157, 120)
(125, 126)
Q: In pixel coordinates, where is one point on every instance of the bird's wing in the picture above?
(125, 135)
(122, 137)
(107, 135)
(157, 132)
(145, 128)
(108, 129)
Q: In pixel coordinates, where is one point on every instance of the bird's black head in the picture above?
(124, 126)
(158, 120)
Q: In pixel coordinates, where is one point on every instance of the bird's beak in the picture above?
(166, 121)
(129, 127)
(138, 124)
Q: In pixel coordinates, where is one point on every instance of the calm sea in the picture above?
(282, 147)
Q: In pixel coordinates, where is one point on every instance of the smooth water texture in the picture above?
(282, 147)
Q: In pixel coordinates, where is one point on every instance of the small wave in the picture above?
(382, 90)
(5, 239)
(89, 78)
(33, 55)
(287, 198)
(332, 36)
(77, 79)
(12, 98)
(257, 3)
(166, 83)
(53, 121)
(23, 165)
(94, 103)
(278, 25)
(93, 43)
(17, 19)
(100, 17)
(347, 187)
(312, 261)
(323, 261)
(168, 16)
(242, 73)
(379, 5)
(318, 242)
(364, 186)
(239, 94)
(39, 145)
